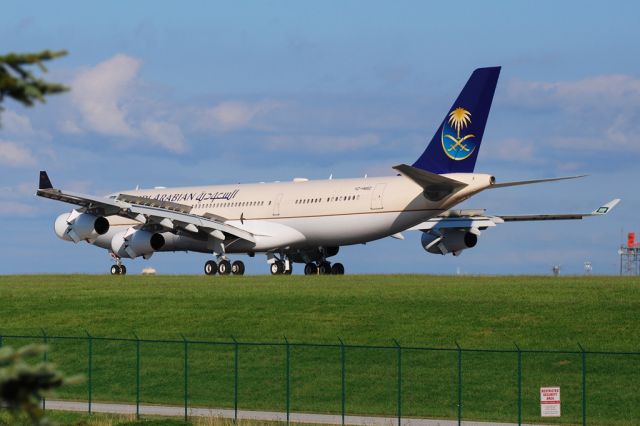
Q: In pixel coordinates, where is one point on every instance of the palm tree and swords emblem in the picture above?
(455, 146)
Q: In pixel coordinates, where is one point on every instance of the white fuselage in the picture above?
(304, 214)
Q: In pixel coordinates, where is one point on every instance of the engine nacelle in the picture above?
(133, 243)
(451, 241)
(76, 226)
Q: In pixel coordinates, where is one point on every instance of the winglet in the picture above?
(606, 208)
(45, 182)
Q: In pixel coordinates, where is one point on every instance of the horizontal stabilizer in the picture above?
(427, 179)
(529, 182)
(435, 186)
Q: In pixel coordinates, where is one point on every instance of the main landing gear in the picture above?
(280, 268)
(323, 268)
(224, 267)
(118, 268)
(279, 264)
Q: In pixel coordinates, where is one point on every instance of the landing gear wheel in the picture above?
(288, 271)
(237, 268)
(337, 269)
(277, 268)
(224, 267)
(310, 269)
(324, 268)
(210, 267)
(123, 270)
(115, 270)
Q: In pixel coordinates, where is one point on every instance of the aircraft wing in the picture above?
(476, 220)
(170, 216)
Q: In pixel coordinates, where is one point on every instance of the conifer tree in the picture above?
(19, 83)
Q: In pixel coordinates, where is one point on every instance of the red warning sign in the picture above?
(550, 402)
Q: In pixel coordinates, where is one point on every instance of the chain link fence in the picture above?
(397, 381)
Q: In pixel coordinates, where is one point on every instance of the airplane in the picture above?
(307, 221)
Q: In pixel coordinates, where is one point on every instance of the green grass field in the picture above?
(601, 313)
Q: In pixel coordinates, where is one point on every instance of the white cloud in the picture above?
(600, 113)
(511, 149)
(16, 124)
(13, 154)
(21, 189)
(323, 144)
(167, 135)
(70, 127)
(234, 115)
(16, 208)
(600, 92)
(98, 93)
(19, 126)
(109, 102)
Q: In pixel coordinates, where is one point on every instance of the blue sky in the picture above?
(167, 93)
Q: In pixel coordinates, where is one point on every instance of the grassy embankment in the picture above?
(601, 313)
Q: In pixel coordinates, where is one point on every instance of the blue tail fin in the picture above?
(454, 148)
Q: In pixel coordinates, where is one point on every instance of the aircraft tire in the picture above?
(324, 268)
(310, 269)
(224, 267)
(210, 267)
(277, 268)
(337, 269)
(123, 270)
(115, 270)
(237, 268)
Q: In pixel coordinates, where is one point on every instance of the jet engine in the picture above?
(449, 241)
(133, 243)
(77, 226)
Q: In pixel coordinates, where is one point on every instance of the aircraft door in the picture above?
(377, 195)
(276, 205)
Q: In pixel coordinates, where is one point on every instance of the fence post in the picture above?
(186, 378)
(235, 379)
(45, 339)
(89, 370)
(137, 376)
(287, 376)
(399, 406)
(584, 385)
(343, 376)
(519, 384)
(459, 384)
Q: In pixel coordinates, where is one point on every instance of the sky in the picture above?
(170, 94)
